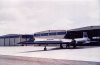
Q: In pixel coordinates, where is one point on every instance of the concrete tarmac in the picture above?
(29, 55)
(16, 60)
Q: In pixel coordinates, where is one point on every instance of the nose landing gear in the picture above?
(45, 49)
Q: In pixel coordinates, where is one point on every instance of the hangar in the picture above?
(92, 31)
(13, 39)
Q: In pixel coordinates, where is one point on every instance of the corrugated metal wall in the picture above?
(13, 40)
(7, 42)
(1, 42)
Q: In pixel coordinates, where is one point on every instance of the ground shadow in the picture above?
(58, 48)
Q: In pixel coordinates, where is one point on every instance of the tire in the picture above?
(67, 45)
(61, 46)
(45, 49)
(74, 44)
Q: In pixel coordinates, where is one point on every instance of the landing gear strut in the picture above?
(45, 48)
(74, 46)
(61, 46)
(67, 45)
(74, 43)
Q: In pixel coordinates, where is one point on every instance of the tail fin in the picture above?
(85, 35)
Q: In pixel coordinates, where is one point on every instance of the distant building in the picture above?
(13, 39)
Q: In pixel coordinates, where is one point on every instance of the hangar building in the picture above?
(92, 31)
(13, 39)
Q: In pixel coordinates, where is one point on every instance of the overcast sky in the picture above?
(29, 16)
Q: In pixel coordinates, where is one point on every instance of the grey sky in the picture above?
(29, 16)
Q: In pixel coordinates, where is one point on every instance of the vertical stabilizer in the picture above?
(85, 35)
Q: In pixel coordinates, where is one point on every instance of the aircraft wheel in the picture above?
(74, 43)
(61, 46)
(67, 45)
(45, 48)
(74, 46)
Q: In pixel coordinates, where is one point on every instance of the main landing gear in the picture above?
(74, 43)
(67, 45)
(61, 46)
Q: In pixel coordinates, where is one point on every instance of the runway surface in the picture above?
(15, 60)
(82, 54)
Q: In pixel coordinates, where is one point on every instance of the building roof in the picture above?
(86, 28)
(48, 31)
(16, 35)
